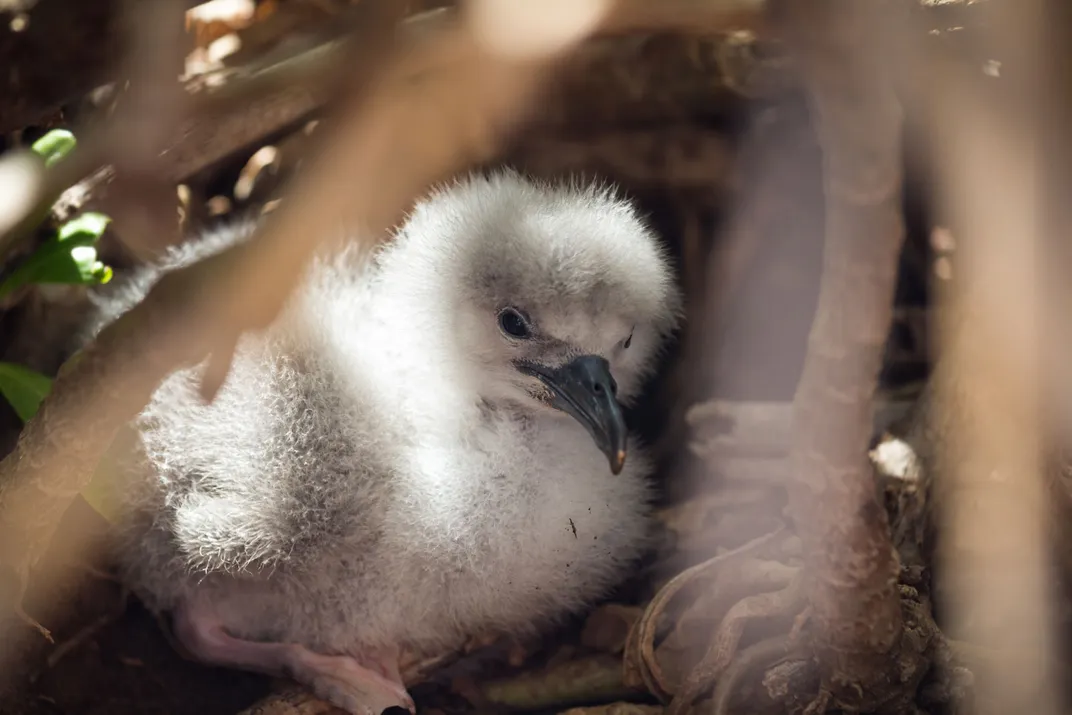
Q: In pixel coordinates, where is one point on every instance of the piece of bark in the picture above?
(751, 661)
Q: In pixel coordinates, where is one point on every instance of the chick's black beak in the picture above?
(585, 390)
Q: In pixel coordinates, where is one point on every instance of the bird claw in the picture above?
(342, 681)
(357, 700)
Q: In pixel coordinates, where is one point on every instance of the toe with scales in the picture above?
(361, 688)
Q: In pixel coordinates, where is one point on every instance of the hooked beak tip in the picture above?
(585, 390)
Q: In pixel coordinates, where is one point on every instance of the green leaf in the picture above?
(55, 145)
(26, 390)
(90, 270)
(23, 388)
(86, 228)
(68, 257)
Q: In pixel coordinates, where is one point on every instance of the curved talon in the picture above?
(763, 654)
(799, 623)
(723, 648)
(640, 646)
(818, 706)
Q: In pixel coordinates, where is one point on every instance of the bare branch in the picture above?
(150, 111)
(29, 191)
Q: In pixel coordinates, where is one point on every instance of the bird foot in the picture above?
(340, 679)
(344, 682)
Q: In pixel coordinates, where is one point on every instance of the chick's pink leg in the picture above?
(366, 688)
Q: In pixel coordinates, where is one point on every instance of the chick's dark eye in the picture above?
(628, 341)
(511, 323)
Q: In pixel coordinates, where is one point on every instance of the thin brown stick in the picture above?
(150, 110)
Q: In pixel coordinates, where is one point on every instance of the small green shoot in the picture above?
(68, 257)
(23, 388)
(54, 146)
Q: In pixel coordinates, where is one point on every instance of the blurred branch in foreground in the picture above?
(64, 49)
(985, 428)
(250, 102)
(410, 133)
(196, 133)
(355, 170)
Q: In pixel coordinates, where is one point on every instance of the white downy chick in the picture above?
(426, 445)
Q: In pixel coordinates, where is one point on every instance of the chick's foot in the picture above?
(361, 688)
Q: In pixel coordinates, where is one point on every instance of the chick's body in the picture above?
(376, 473)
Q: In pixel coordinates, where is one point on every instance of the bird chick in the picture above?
(426, 445)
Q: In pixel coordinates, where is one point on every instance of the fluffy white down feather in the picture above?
(374, 471)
